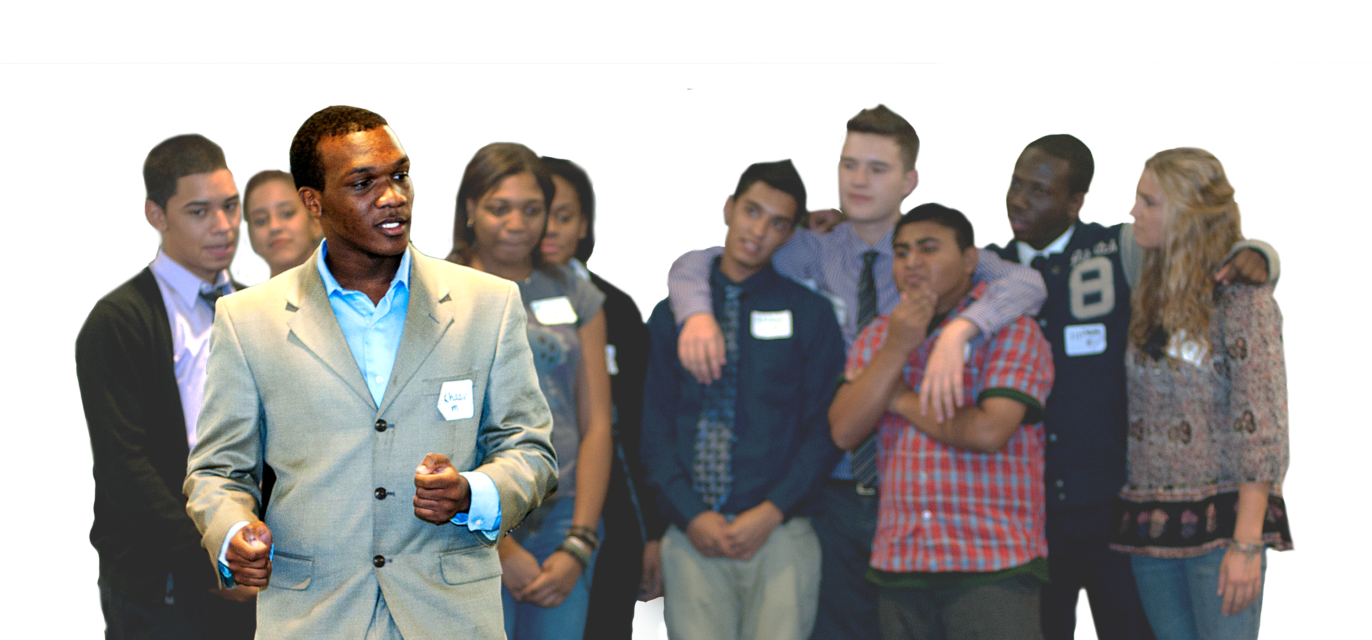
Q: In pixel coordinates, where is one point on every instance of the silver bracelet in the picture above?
(1249, 549)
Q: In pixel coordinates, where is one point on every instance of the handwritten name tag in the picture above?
(1084, 339)
(772, 325)
(455, 400)
(550, 311)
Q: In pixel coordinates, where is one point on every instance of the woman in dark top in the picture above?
(628, 567)
(549, 560)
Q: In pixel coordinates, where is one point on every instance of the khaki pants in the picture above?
(771, 596)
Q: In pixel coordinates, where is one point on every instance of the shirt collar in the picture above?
(858, 247)
(764, 279)
(1028, 253)
(185, 285)
(401, 278)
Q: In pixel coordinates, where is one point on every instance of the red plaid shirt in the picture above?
(947, 509)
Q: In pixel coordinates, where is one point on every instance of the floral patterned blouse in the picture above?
(1205, 417)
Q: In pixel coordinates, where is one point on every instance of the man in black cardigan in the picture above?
(140, 360)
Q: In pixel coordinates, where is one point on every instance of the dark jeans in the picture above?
(847, 602)
(1008, 609)
(192, 613)
(1079, 557)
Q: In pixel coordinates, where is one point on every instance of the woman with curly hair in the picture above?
(1207, 411)
(502, 214)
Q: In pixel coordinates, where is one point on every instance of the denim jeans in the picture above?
(1179, 597)
(567, 621)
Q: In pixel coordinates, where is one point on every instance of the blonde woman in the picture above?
(1207, 412)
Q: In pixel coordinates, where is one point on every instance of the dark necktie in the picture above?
(864, 459)
(1039, 263)
(211, 296)
(715, 430)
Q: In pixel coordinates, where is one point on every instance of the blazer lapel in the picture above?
(315, 326)
(426, 320)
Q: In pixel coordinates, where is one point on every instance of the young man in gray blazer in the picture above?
(395, 396)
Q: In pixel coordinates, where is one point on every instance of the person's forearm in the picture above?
(688, 283)
(972, 428)
(859, 404)
(1252, 509)
(1013, 290)
(506, 546)
(592, 476)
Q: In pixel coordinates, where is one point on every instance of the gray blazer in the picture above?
(283, 388)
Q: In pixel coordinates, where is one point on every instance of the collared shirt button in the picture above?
(380, 493)
(379, 561)
(927, 515)
(1052, 437)
(1058, 484)
(1062, 496)
(381, 425)
(378, 379)
(1043, 323)
(477, 522)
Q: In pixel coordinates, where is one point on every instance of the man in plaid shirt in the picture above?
(960, 548)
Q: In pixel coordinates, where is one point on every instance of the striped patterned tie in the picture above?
(865, 455)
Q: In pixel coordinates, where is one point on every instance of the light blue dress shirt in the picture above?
(373, 333)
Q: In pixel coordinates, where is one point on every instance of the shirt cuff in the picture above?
(483, 516)
(224, 550)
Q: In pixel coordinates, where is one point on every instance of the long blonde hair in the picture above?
(1176, 289)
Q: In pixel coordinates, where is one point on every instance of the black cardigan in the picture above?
(138, 444)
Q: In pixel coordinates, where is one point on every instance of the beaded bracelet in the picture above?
(1247, 548)
(578, 550)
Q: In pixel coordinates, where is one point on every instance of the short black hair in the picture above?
(1081, 166)
(176, 158)
(780, 175)
(338, 120)
(942, 216)
(882, 121)
(576, 176)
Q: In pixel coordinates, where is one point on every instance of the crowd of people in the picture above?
(847, 423)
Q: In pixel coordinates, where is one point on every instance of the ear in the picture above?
(728, 210)
(310, 198)
(156, 216)
(970, 256)
(1074, 204)
(911, 181)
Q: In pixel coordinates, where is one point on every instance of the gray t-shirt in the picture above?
(558, 303)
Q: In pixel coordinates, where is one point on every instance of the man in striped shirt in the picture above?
(960, 547)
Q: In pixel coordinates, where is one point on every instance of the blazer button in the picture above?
(379, 561)
(380, 493)
(380, 425)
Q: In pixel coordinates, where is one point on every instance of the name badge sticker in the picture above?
(610, 362)
(772, 325)
(1084, 339)
(550, 311)
(455, 400)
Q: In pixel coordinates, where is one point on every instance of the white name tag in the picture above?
(455, 400)
(610, 363)
(551, 311)
(771, 325)
(1084, 339)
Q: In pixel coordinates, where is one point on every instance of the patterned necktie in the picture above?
(715, 430)
(865, 455)
(211, 296)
